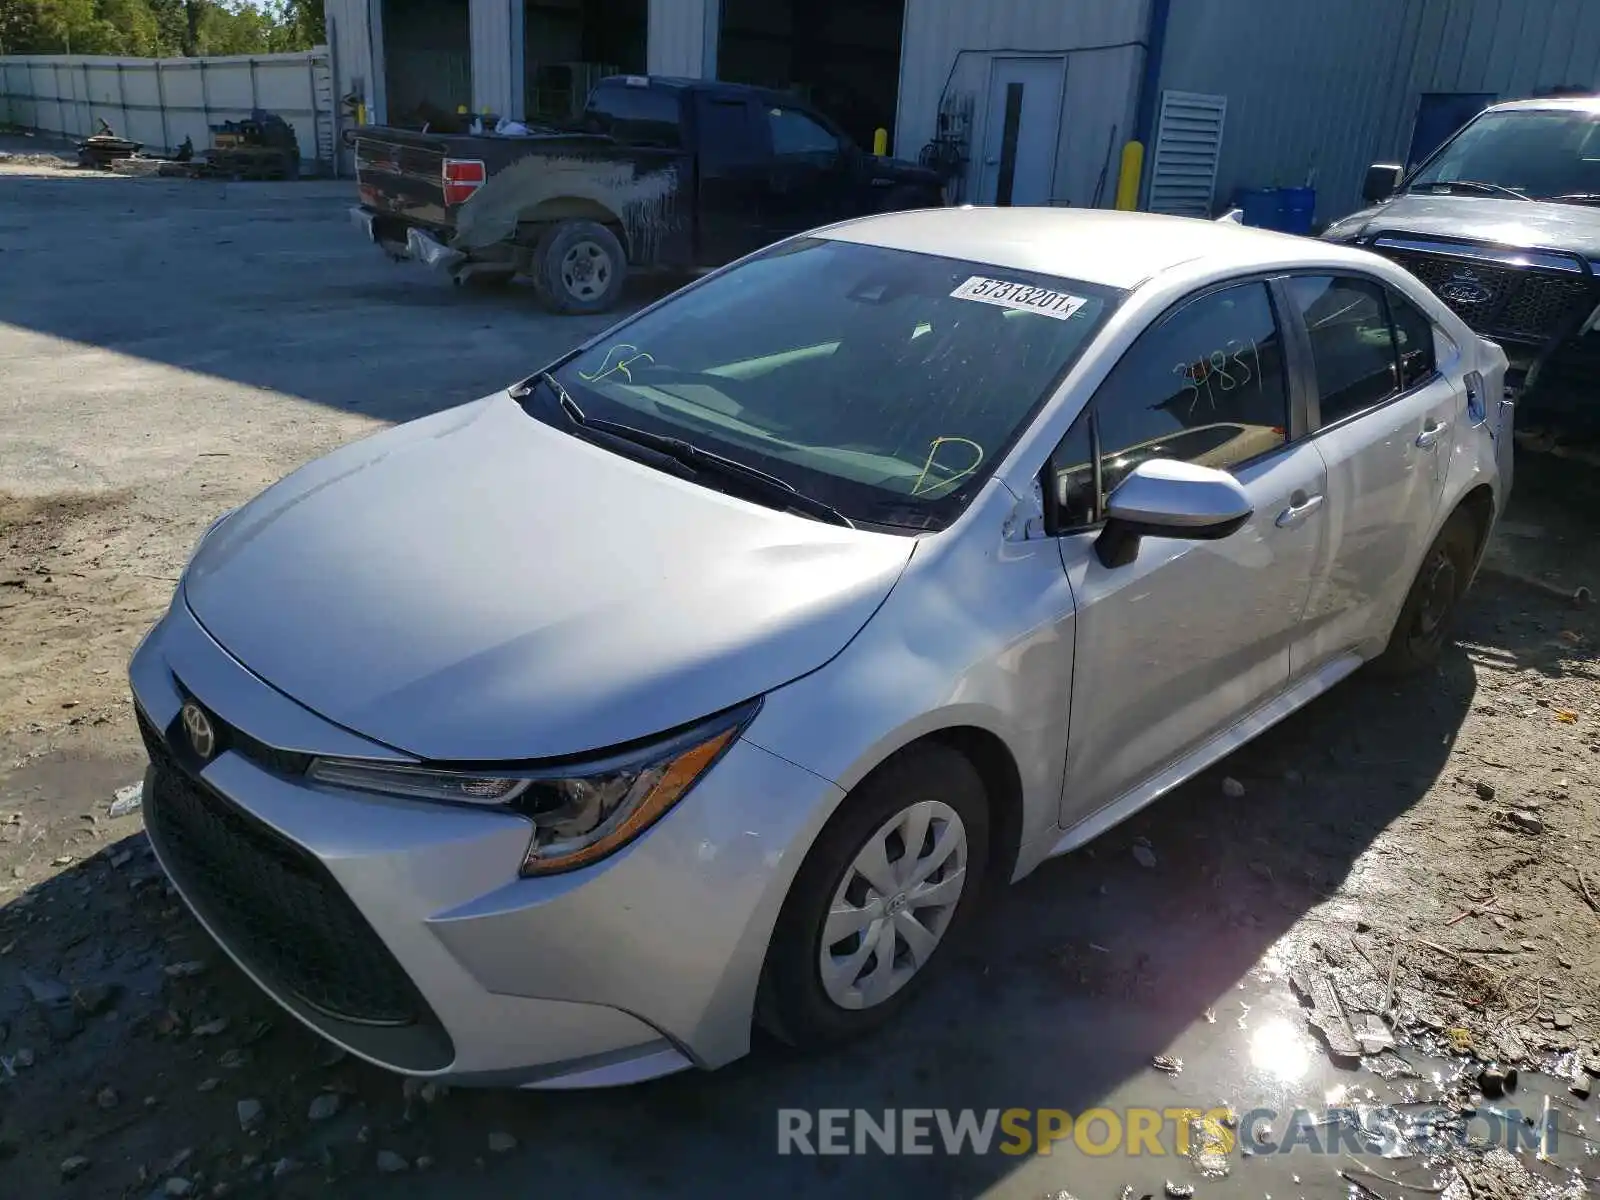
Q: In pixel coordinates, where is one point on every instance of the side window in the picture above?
(728, 135)
(1352, 343)
(1414, 333)
(1206, 386)
(641, 116)
(795, 133)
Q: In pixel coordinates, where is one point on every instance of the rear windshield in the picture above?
(883, 382)
(1542, 154)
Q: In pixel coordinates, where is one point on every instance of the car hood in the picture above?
(1526, 225)
(478, 585)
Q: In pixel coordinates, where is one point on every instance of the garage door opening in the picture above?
(843, 56)
(568, 45)
(427, 56)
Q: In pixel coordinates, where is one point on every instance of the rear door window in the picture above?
(640, 116)
(1413, 333)
(1352, 342)
(729, 133)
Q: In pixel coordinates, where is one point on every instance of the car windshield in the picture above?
(885, 383)
(1539, 153)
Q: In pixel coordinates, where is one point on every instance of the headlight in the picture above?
(580, 812)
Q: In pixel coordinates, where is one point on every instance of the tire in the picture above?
(1427, 618)
(579, 267)
(794, 1002)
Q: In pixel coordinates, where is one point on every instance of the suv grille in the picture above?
(273, 903)
(1521, 305)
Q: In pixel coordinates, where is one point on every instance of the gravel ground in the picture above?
(170, 347)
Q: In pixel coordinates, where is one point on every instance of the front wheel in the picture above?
(1428, 616)
(892, 879)
(579, 267)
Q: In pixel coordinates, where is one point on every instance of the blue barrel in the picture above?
(1298, 209)
(1261, 207)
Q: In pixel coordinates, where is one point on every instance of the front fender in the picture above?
(977, 634)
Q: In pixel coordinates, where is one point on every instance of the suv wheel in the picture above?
(891, 881)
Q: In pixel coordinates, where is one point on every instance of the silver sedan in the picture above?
(709, 676)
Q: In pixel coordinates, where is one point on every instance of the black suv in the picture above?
(1503, 223)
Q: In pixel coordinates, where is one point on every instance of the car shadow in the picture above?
(267, 285)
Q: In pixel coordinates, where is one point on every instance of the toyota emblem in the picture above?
(202, 737)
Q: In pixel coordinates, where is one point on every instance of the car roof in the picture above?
(1111, 248)
(1588, 104)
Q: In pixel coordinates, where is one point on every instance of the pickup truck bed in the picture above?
(676, 175)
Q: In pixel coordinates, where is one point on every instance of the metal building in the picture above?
(1025, 101)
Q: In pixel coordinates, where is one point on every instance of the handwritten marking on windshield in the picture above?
(609, 368)
(918, 489)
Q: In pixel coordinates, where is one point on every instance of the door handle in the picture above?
(1430, 435)
(1296, 513)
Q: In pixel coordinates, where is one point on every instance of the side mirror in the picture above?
(1383, 181)
(1166, 498)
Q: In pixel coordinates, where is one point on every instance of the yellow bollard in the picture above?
(880, 142)
(1128, 176)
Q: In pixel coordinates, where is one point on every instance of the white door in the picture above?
(1023, 130)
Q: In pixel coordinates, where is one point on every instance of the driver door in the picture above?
(1181, 644)
(807, 186)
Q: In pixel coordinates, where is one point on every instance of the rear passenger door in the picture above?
(733, 160)
(1385, 419)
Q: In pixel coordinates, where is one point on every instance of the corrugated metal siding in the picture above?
(350, 40)
(683, 38)
(1323, 90)
(947, 50)
(496, 30)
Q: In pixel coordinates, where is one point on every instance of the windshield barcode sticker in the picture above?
(1020, 296)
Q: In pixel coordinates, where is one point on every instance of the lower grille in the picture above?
(274, 904)
(1516, 304)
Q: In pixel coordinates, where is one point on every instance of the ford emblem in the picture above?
(1464, 291)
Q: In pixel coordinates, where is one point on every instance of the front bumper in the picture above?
(641, 965)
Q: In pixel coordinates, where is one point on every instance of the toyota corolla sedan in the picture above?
(710, 676)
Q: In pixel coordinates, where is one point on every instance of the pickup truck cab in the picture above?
(1502, 222)
(660, 174)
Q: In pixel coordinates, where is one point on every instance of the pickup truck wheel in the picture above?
(579, 267)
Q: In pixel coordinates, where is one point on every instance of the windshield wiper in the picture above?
(1576, 198)
(1472, 185)
(778, 492)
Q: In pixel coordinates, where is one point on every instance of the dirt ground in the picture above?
(1432, 847)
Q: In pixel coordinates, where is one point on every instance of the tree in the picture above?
(146, 28)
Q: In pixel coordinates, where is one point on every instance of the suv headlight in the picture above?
(581, 812)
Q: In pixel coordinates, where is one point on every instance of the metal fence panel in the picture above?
(162, 101)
